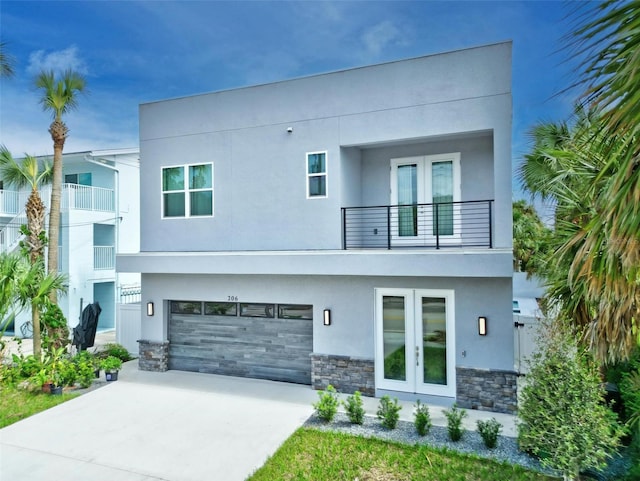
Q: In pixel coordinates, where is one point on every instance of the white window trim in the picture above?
(325, 174)
(186, 191)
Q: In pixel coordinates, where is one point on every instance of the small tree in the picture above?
(563, 417)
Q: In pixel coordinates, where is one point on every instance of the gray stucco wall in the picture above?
(351, 300)
(259, 169)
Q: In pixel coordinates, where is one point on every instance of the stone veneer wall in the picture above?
(347, 374)
(154, 356)
(487, 389)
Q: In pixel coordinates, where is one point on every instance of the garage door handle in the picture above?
(518, 324)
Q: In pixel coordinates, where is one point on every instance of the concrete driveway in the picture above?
(171, 426)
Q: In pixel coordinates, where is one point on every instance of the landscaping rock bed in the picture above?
(471, 443)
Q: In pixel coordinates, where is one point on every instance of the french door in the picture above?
(425, 189)
(415, 341)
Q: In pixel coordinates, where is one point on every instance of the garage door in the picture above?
(264, 341)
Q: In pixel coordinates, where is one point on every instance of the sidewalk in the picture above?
(13, 346)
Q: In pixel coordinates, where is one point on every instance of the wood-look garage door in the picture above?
(257, 347)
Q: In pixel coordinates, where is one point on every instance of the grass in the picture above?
(17, 404)
(311, 455)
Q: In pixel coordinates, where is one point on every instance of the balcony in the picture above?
(12, 202)
(104, 258)
(441, 225)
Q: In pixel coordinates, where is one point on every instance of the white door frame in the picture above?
(414, 358)
(424, 193)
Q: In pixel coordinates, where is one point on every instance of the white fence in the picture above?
(128, 329)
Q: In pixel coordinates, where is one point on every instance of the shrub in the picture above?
(86, 365)
(354, 407)
(630, 394)
(55, 331)
(111, 364)
(422, 418)
(563, 417)
(389, 412)
(116, 350)
(327, 407)
(489, 431)
(454, 422)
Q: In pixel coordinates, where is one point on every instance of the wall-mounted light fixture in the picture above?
(150, 310)
(290, 130)
(482, 326)
(326, 317)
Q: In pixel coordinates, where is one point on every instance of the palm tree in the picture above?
(6, 62)
(28, 173)
(59, 96)
(608, 38)
(585, 273)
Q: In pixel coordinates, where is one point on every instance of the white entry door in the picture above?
(425, 190)
(415, 341)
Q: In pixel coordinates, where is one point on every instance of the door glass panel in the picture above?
(434, 344)
(393, 335)
(407, 195)
(442, 192)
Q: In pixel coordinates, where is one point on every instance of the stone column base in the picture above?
(347, 374)
(154, 356)
(487, 390)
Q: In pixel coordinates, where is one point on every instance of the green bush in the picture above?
(389, 412)
(422, 418)
(454, 422)
(489, 431)
(111, 364)
(327, 407)
(354, 407)
(116, 350)
(64, 372)
(563, 417)
(86, 365)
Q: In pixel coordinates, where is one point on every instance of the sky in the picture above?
(132, 52)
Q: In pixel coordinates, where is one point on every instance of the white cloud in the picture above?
(58, 61)
(381, 36)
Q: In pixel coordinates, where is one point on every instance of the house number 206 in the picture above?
(232, 298)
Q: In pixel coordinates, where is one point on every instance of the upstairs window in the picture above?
(187, 191)
(78, 179)
(316, 175)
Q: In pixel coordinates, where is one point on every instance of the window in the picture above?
(186, 307)
(187, 191)
(220, 309)
(316, 175)
(257, 310)
(78, 179)
(295, 311)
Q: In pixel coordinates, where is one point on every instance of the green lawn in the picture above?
(311, 455)
(17, 404)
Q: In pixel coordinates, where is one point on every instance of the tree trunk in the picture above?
(58, 131)
(35, 320)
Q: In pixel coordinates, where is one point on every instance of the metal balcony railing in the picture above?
(104, 257)
(446, 224)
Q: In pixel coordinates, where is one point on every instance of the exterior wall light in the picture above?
(482, 326)
(326, 317)
(150, 310)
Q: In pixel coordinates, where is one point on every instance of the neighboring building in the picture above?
(351, 228)
(100, 216)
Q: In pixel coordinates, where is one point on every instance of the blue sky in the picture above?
(133, 52)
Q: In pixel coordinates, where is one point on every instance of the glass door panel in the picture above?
(394, 337)
(407, 196)
(434, 340)
(442, 194)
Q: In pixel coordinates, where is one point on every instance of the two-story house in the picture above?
(100, 217)
(351, 228)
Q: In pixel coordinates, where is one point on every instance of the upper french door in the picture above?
(415, 341)
(425, 188)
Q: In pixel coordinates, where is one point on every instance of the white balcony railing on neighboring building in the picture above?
(11, 202)
(104, 257)
(85, 197)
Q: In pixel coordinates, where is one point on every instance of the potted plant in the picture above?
(111, 365)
